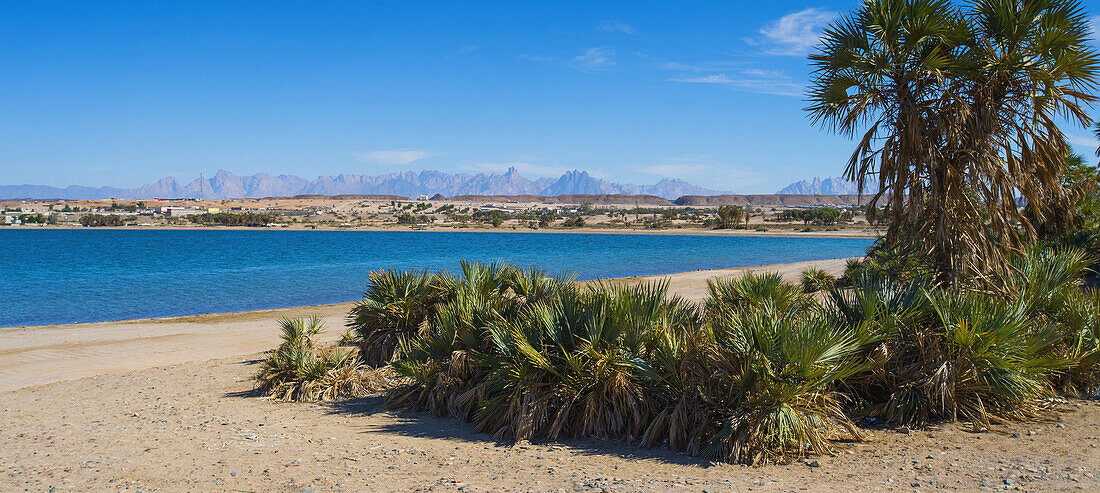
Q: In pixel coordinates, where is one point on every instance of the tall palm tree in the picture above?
(959, 106)
(1027, 63)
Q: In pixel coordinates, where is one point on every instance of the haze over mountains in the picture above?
(409, 184)
(225, 185)
(827, 186)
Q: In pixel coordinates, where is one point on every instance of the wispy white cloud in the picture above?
(392, 156)
(1095, 21)
(719, 66)
(537, 58)
(702, 170)
(1082, 141)
(598, 58)
(752, 80)
(793, 34)
(617, 27)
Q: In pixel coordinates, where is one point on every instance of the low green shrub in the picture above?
(96, 220)
(298, 370)
(815, 279)
(250, 219)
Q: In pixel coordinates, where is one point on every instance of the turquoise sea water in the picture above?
(84, 275)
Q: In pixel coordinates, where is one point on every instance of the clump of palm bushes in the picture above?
(758, 372)
(758, 381)
(250, 219)
(748, 380)
(300, 370)
(1046, 284)
(888, 261)
(1080, 322)
(938, 352)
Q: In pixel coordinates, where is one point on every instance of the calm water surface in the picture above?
(84, 275)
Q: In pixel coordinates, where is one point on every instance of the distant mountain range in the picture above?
(827, 186)
(409, 184)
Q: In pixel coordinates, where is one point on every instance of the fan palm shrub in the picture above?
(1047, 283)
(445, 360)
(298, 374)
(1085, 240)
(449, 357)
(298, 370)
(1042, 280)
(752, 290)
(1080, 321)
(877, 311)
(574, 364)
(815, 279)
(760, 386)
(395, 306)
(299, 332)
(994, 362)
(890, 261)
(1082, 183)
(535, 285)
(852, 267)
(934, 353)
(963, 356)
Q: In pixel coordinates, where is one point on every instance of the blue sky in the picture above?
(124, 93)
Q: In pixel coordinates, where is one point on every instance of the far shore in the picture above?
(36, 355)
(847, 232)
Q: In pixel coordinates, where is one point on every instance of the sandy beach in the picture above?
(168, 404)
(44, 354)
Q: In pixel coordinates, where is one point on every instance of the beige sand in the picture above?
(44, 354)
(192, 423)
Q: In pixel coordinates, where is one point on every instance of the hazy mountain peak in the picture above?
(826, 186)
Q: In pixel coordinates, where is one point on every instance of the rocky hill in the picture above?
(774, 200)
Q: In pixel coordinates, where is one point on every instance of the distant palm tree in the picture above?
(960, 111)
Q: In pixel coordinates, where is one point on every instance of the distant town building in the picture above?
(175, 211)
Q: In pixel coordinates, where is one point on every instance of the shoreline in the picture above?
(843, 233)
(346, 305)
(33, 355)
